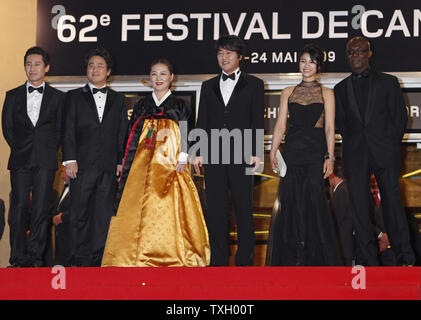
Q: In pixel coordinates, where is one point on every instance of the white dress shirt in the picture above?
(227, 86)
(33, 102)
(100, 99)
(182, 157)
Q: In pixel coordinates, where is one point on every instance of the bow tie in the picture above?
(231, 76)
(103, 90)
(364, 74)
(39, 89)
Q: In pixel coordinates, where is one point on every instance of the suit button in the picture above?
(225, 125)
(226, 111)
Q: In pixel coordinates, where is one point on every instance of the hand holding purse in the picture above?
(282, 166)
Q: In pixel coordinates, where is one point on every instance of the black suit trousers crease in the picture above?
(342, 214)
(219, 179)
(92, 195)
(393, 213)
(39, 181)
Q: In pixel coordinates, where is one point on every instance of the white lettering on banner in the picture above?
(149, 26)
(271, 113)
(62, 26)
(182, 27)
(92, 27)
(179, 27)
(125, 25)
(400, 27)
(280, 57)
(283, 57)
(238, 26)
(275, 34)
(216, 27)
(364, 28)
(414, 111)
(257, 19)
(417, 19)
(333, 24)
(321, 23)
(105, 20)
(200, 17)
(397, 23)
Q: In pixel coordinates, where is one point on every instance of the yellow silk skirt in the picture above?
(159, 222)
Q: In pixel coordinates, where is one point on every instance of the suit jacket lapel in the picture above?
(352, 99)
(108, 102)
(371, 95)
(90, 100)
(217, 89)
(241, 84)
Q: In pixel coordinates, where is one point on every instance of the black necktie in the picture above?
(231, 76)
(103, 90)
(39, 89)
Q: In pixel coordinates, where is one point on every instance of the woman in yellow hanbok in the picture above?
(159, 219)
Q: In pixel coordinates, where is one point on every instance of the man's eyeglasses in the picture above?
(351, 52)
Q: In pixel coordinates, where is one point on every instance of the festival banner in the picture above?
(185, 31)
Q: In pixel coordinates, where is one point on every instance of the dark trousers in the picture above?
(61, 255)
(91, 207)
(24, 214)
(393, 214)
(344, 230)
(63, 241)
(218, 180)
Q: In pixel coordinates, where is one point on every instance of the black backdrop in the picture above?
(185, 30)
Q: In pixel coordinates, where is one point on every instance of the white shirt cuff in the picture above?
(183, 157)
(68, 161)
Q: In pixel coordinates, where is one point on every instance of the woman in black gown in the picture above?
(302, 230)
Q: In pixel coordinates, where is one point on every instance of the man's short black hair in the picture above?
(100, 52)
(41, 52)
(232, 43)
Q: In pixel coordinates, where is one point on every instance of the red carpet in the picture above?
(230, 283)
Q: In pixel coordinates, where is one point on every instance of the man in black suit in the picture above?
(371, 117)
(233, 100)
(342, 213)
(94, 132)
(32, 128)
(61, 233)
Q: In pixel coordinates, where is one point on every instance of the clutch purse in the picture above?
(282, 166)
